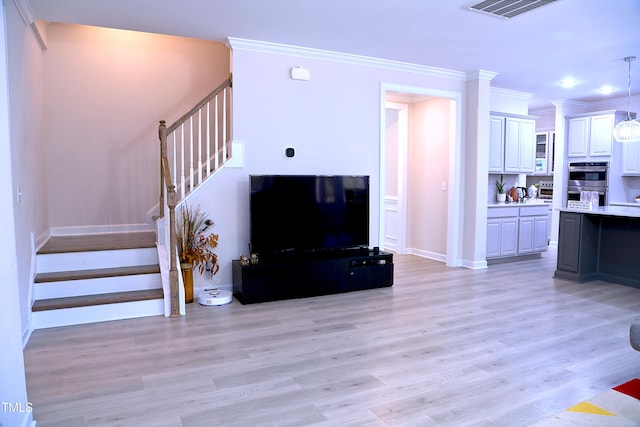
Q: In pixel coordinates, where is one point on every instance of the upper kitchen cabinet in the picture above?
(496, 144)
(591, 135)
(631, 158)
(512, 143)
(545, 149)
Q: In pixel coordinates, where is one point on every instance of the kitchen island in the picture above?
(599, 244)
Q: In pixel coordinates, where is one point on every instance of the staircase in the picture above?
(95, 278)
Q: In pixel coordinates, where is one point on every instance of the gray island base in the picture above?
(600, 244)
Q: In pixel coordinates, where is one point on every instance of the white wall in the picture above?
(333, 120)
(428, 168)
(12, 376)
(25, 71)
(106, 90)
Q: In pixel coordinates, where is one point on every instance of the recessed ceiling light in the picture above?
(606, 90)
(568, 83)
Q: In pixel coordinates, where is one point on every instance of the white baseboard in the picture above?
(27, 331)
(427, 254)
(474, 265)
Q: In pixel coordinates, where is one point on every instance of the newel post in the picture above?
(173, 252)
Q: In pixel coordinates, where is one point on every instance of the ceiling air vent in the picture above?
(508, 8)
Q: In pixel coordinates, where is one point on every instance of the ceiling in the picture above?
(583, 39)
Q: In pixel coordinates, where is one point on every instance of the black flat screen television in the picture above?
(296, 214)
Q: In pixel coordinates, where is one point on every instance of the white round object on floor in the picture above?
(214, 297)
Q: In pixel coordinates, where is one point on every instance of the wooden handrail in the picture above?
(225, 84)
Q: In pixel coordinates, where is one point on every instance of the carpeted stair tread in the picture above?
(59, 276)
(101, 299)
(99, 242)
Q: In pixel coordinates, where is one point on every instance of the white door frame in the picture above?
(454, 225)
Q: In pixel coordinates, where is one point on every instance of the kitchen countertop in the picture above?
(537, 202)
(624, 211)
(632, 204)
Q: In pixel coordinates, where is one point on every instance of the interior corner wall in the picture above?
(428, 169)
(29, 193)
(105, 92)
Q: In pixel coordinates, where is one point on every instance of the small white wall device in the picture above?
(299, 73)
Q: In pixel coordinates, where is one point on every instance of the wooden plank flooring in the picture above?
(505, 346)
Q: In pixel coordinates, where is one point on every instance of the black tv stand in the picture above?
(306, 276)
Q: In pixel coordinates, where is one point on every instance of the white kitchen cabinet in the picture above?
(512, 144)
(545, 149)
(601, 138)
(517, 230)
(591, 135)
(532, 232)
(578, 141)
(502, 237)
(496, 144)
(631, 158)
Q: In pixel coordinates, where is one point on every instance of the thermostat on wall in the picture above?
(289, 152)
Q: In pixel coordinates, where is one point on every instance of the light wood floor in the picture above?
(505, 346)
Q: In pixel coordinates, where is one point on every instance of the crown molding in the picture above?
(481, 75)
(524, 96)
(568, 103)
(346, 58)
(26, 13)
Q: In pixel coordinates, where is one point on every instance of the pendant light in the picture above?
(628, 130)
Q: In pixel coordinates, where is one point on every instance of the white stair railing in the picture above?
(191, 150)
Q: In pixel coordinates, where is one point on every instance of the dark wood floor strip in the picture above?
(98, 242)
(58, 276)
(89, 300)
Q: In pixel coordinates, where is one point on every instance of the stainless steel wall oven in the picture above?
(588, 176)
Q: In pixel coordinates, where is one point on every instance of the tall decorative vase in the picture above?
(187, 279)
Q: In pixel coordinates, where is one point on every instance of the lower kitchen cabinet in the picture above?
(502, 237)
(532, 234)
(517, 230)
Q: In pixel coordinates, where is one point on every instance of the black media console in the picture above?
(308, 276)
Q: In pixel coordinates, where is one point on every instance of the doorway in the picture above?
(419, 172)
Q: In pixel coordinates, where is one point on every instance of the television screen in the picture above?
(302, 213)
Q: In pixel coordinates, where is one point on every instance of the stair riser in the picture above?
(97, 313)
(47, 263)
(103, 285)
